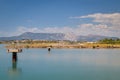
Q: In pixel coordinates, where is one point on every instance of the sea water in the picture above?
(61, 64)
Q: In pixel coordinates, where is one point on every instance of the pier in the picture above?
(14, 52)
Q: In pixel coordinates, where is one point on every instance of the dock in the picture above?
(14, 52)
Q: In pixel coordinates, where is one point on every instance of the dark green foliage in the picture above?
(109, 41)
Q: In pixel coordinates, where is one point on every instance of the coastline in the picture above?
(61, 45)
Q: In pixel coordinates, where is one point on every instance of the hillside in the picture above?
(54, 36)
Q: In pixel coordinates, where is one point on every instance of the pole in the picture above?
(14, 56)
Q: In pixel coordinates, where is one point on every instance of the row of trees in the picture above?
(109, 41)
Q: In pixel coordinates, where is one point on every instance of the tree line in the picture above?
(109, 41)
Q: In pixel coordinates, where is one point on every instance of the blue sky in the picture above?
(80, 17)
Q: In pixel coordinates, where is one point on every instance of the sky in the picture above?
(79, 17)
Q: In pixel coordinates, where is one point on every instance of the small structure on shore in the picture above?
(14, 52)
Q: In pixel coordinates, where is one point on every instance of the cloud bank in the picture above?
(100, 24)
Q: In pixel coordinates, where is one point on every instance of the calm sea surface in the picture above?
(61, 64)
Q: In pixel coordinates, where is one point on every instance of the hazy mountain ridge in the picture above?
(55, 36)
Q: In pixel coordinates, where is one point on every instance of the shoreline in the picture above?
(69, 46)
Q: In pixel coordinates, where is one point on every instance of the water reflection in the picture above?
(14, 70)
(49, 53)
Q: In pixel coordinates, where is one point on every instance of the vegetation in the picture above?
(110, 41)
(105, 43)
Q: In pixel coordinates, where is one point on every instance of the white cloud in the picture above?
(65, 29)
(100, 24)
(97, 29)
(23, 29)
(113, 19)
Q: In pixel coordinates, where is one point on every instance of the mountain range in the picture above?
(55, 36)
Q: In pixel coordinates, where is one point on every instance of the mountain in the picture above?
(36, 36)
(55, 36)
(42, 36)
